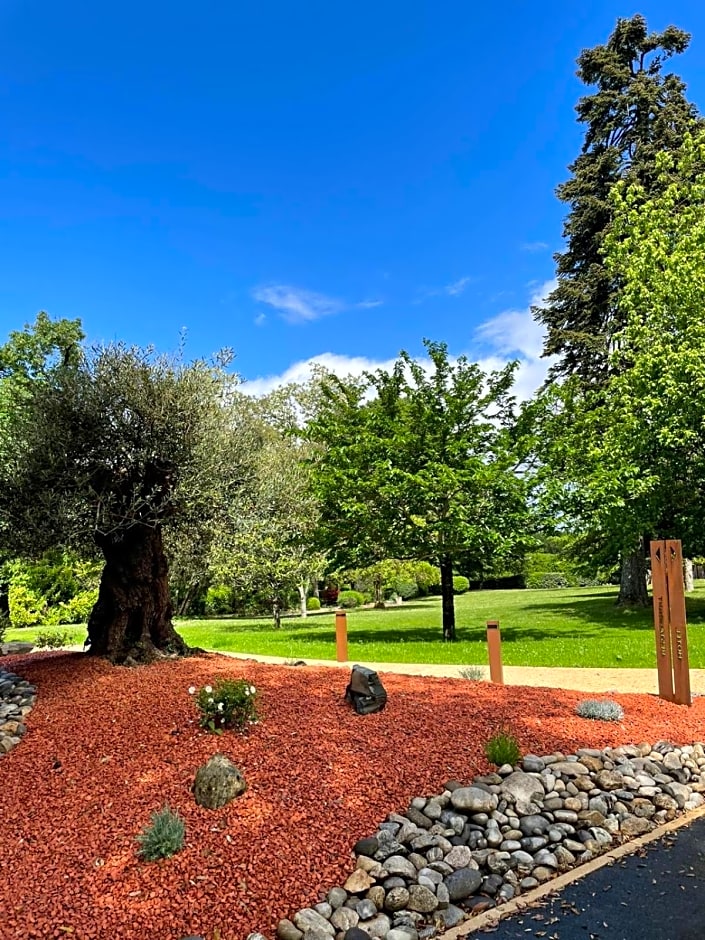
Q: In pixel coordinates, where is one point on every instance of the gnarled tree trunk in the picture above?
(632, 583)
(131, 621)
(448, 601)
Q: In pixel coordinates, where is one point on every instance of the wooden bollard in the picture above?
(494, 650)
(341, 636)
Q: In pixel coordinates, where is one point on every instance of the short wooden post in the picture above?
(670, 621)
(494, 650)
(341, 636)
(662, 620)
(679, 628)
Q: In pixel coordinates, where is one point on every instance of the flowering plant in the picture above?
(231, 703)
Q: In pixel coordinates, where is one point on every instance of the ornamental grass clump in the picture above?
(163, 837)
(600, 709)
(502, 748)
(230, 703)
(473, 673)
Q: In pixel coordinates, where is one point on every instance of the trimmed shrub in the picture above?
(550, 580)
(502, 748)
(312, 603)
(406, 589)
(600, 709)
(52, 639)
(349, 599)
(163, 837)
(460, 584)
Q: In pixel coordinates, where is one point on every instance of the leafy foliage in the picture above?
(230, 703)
(163, 836)
(312, 603)
(600, 710)
(52, 639)
(350, 599)
(460, 584)
(429, 472)
(635, 113)
(502, 748)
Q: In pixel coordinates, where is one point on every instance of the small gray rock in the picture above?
(462, 883)
(473, 800)
(288, 931)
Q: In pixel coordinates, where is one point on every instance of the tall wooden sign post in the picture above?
(669, 621)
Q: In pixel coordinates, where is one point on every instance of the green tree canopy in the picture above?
(113, 446)
(418, 463)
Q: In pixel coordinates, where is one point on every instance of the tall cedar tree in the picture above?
(636, 113)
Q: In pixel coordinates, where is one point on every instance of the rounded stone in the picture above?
(473, 800)
(218, 782)
(336, 897)
(422, 899)
(398, 865)
(288, 931)
(366, 909)
(462, 883)
(396, 899)
(344, 918)
(366, 846)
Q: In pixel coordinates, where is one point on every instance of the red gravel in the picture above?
(319, 778)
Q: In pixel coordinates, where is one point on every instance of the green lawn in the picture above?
(570, 627)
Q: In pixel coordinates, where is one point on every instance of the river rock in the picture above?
(462, 883)
(308, 919)
(473, 800)
(218, 782)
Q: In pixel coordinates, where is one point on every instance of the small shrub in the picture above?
(550, 580)
(79, 608)
(460, 584)
(312, 603)
(473, 673)
(231, 703)
(52, 639)
(406, 589)
(350, 599)
(219, 599)
(600, 709)
(502, 748)
(163, 837)
(27, 608)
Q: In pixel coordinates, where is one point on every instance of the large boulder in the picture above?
(218, 782)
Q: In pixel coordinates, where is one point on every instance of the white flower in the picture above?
(247, 691)
(252, 690)
(192, 690)
(211, 700)
(208, 689)
(220, 706)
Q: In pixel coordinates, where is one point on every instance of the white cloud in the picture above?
(296, 305)
(260, 319)
(534, 246)
(512, 334)
(515, 334)
(303, 370)
(457, 287)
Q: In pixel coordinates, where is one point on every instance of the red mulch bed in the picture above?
(320, 777)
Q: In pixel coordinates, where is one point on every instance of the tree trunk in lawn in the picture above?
(448, 601)
(131, 621)
(302, 598)
(632, 584)
(277, 611)
(379, 594)
(688, 584)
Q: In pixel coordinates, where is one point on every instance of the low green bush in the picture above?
(460, 584)
(406, 589)
(350, 599)
(52, 639)
(550, 580)
(163, 837)
(312, 603)
(27, 608)
(502, 748)
(231, 703)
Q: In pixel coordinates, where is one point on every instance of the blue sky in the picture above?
(294, 180)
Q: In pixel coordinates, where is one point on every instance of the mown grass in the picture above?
(569, 627)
